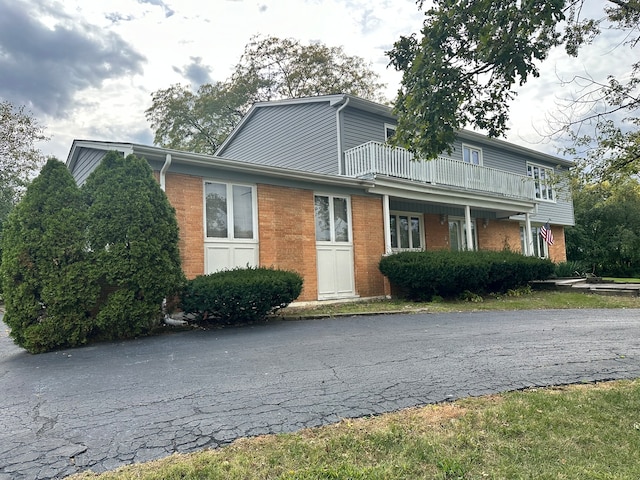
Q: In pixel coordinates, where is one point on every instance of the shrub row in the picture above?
(423, 275)
(240, 295)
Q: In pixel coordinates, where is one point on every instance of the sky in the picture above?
(86, 69)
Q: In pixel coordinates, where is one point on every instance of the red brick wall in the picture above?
(558, 251)
(437, 235)
(368, 245)
(185, 194)
(498, 235)
(287, 233)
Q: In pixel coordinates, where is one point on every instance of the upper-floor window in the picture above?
(472, 155)
(406, 231)
(229, 211)
(389, 131)
(543, 179)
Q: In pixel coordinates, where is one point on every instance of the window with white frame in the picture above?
(406, 231)
(540, 247)
(472, 155)
(229, 211)
(543, 181)
(332, 218)
(458, 235)
(389, 131)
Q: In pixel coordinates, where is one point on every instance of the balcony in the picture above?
(374, 158)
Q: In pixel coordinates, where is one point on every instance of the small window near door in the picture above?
(332, 218)
(472, 155)
(406, 231)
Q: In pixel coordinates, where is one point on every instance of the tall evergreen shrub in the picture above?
(48, 294)
(133, 236)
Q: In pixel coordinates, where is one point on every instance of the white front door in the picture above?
(334, 247)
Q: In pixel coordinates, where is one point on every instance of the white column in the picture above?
(528, 241)
(387, 224)
(467, 222)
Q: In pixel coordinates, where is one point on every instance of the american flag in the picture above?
(546, 234)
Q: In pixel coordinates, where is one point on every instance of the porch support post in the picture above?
(467, 223)
(387, 224)
(528, 241)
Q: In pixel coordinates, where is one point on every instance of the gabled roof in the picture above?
(387, 111)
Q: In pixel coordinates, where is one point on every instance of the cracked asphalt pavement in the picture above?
(106, 405)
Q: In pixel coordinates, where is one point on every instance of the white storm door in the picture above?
(334, 247)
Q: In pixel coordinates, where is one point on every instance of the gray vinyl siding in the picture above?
(297, 136)
(362, 127)
(88, 160)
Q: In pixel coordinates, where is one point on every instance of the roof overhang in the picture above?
(427, 193)
(159, 154)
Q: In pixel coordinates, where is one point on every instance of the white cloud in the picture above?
(118, 52)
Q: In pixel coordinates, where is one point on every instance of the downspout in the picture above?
(163, 172)
(339, 132)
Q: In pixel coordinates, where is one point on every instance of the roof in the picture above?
(212, 161)
(387, 111)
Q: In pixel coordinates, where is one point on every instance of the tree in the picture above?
(471, 55)
(20, 160)
(133, 237)
(269, 69)
(606, 237)
(48, 295)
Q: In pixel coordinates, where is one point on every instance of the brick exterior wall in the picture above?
(287, 235)
(368, 246)
(185, 194)
(436, 234)
(558, 251)
(498, 235)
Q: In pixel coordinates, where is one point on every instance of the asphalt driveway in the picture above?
(106, 405)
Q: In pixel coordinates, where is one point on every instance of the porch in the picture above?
(375, 158)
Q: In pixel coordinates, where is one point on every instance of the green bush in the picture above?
(240, 295)
(133, 237)
(48, 294)
(423, 275)
(570, 269)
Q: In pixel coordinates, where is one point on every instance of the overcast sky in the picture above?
(86, 69)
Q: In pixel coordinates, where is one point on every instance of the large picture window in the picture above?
(406, 231)
(332, 218)
(542, 177)
(229, 211)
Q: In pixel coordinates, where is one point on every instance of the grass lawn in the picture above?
(575, 432)
(524, 301)
(622, 280)
(589, 431)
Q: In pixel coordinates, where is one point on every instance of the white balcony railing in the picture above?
(375, 158)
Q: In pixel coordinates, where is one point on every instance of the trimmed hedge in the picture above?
(423, 275)
(240, 295)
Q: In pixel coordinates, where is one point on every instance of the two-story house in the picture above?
(310, 185)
